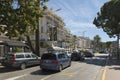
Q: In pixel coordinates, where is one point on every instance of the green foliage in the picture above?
(17, 49)
(109, 44)
(97, 39)
(20, 17)
(97, 42)
(109, 18)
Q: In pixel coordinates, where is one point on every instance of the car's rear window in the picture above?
(49, 56)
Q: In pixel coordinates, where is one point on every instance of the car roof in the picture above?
(20, 53)
(56, 53)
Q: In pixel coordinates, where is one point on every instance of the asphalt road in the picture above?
(90, 69)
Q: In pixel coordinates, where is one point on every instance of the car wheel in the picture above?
(60, 68)
(23, 66)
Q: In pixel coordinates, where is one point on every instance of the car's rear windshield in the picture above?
(49, 56)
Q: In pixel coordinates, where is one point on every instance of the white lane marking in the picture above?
(13, 78)
(45, 77)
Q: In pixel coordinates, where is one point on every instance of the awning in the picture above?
(13, 43)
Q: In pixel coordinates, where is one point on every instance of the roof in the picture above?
(13, 43)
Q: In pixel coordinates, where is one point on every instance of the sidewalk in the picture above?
(112, 69)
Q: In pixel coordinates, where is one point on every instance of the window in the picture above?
(42, 29)
(61, 56)
(49, 56)
(33, 55)
(19, 56)
(27, 55)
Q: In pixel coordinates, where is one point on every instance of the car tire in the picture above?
(60, 68)
(22, 66)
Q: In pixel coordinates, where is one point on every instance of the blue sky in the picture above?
(78, 16)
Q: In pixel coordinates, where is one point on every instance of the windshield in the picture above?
(49, 56)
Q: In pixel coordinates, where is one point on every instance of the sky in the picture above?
(78, 16)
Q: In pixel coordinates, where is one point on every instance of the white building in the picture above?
(83, 43)
(52, 30)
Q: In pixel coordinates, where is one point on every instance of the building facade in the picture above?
(52, 30)
(83, 43)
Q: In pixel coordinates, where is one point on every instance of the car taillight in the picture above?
(41, 61)
(55, 62)
(14, 58)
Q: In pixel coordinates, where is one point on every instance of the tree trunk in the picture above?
(30, 44)
(118, 56)
(37, 42)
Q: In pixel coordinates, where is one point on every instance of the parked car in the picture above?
(20, 60)
(77, 56)
(55, 61)
(88, 54)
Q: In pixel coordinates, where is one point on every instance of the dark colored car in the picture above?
(20, 60)
(55, 61)
(77, 56)
(88, 54)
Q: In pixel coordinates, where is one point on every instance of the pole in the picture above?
(40, 3)
(37, 43)
(118, 56)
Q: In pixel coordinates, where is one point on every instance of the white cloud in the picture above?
(85, 12)
(75, 24)
(68, 8)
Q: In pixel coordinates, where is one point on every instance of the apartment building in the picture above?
(83, 43)
(52, 30)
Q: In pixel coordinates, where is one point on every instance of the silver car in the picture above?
(20, 60)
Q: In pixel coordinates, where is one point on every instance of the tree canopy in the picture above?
(109, 18)
(96, 42)
(19, 17)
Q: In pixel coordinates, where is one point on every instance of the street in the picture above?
(90, 69)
